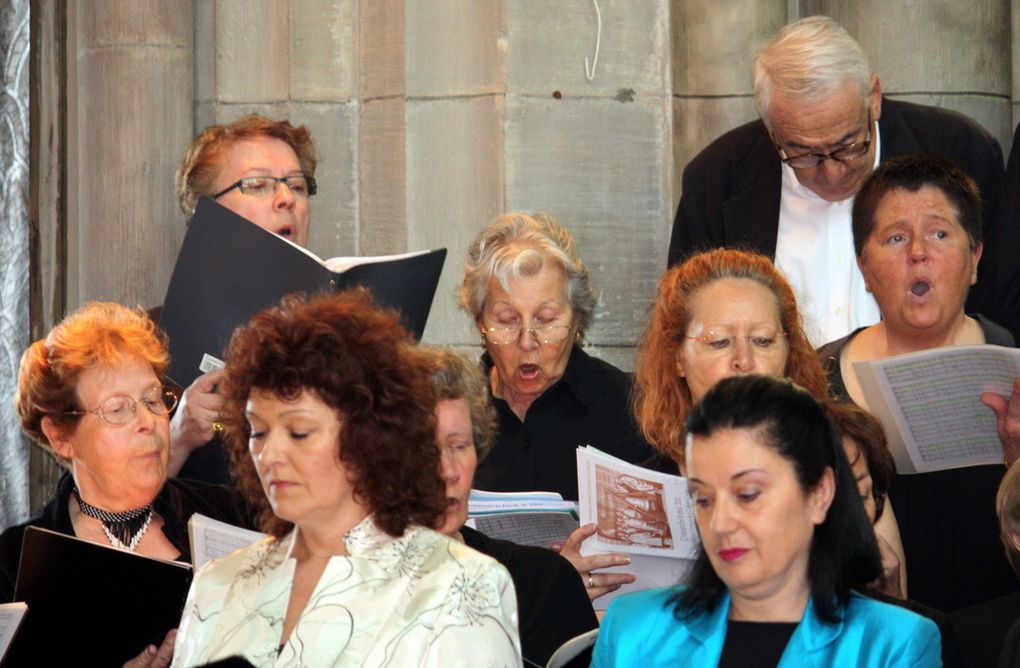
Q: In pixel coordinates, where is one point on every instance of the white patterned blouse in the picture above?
(418, 600)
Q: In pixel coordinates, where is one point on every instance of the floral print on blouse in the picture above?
(418, 600)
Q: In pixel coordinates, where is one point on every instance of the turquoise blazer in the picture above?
(639, 629)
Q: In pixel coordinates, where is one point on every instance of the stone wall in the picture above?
(431, 117)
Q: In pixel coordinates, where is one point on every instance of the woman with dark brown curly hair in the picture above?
(329, 417)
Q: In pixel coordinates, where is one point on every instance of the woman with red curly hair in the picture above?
(328, 413)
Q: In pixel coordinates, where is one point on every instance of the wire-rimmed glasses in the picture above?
(119, 409)
(543, 334)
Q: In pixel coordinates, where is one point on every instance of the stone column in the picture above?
(455, 82)
(596, 152)
(713, 50)
(323, 95)
(1015, 60)
(14, 248)
(295, 60)
(382, 178)
(130, 99)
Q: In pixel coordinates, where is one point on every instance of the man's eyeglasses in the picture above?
(848, 153)
(264, 186)
(119, 409)
(543, 334)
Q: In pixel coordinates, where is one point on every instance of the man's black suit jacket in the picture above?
(731, 190)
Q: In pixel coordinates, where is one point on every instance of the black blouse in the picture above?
(755, 644)
(589, 405)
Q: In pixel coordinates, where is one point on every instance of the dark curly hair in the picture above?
(358, 360)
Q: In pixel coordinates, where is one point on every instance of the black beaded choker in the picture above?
(123, 530)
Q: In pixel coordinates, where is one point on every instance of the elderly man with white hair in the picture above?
(784, 185)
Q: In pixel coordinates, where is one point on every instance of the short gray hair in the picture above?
(516, 245)
(808, 60)
(456, 377)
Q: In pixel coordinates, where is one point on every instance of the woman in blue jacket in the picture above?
(784, 542)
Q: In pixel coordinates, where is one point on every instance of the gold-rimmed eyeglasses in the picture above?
(714, 343)
(543, 334)
(119, 409)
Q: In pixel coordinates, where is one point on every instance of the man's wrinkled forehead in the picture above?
(828, 123)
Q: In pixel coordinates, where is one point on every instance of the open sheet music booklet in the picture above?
(228, 269)
(929, 403)
(525, 518)
(643, 513)
(211, 539)
(11, 615)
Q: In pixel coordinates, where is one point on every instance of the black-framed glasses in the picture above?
(264, 186)
(543, 334)
(119, 409)
(847, 153)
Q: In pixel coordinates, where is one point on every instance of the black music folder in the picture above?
(229, 269)
(91, 604)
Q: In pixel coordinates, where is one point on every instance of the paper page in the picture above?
(486, 495)
(651, 572)
(11, 615)
(637, 511)
(212, 539)
(500, 508)
(487, 503)
(930, 404)
(538, 529)
(342, 264)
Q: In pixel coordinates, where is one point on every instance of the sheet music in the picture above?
(212, 539)
(930, 404)
(11, 615)
(523, 528)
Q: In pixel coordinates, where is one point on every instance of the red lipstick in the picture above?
(732, 554)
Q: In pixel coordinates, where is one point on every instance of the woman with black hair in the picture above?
(785, 540)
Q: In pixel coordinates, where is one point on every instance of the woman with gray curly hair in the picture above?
(528, 292)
